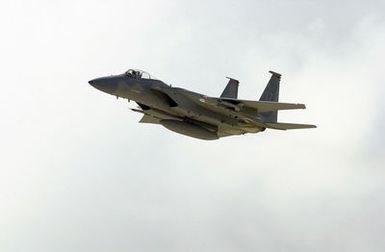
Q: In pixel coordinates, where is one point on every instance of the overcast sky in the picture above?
(78, 173)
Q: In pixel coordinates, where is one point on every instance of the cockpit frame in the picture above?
(139, 74)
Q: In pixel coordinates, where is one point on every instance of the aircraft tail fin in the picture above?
(231, 90)
(271, 93)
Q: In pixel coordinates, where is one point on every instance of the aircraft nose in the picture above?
(96, 83)
(105, 84)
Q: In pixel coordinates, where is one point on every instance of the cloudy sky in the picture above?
(78, 173)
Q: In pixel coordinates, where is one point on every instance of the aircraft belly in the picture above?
(228, 125)
(189, 129)
(156, 115)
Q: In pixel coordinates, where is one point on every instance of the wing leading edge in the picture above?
(287, 126)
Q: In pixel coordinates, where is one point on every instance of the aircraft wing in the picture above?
(287, 126)
(149, 119)
(260, 106)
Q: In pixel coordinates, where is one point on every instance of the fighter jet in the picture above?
(197, 115)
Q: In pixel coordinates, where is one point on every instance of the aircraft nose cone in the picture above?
(95, 83)
(105, 84)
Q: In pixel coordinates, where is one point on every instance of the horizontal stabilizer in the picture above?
(264, 106)
(287, 126)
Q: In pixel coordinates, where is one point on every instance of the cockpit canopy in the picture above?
(139, 74)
